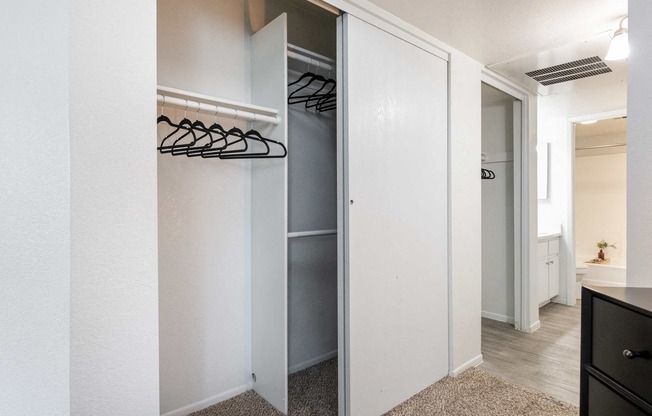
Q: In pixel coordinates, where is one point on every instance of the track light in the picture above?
(619, 47)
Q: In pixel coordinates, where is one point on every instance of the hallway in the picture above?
(547, 360)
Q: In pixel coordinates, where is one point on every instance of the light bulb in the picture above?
(619, 47)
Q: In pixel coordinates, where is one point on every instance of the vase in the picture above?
(601, 255)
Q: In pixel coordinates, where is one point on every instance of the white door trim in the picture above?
(570, 198)
(523, 292)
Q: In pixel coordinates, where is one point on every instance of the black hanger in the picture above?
(318, 96)
(488, 174)
(327, 103)
(257, 137)
(185, 126)
(218, 151)
(217, 134)
(202, 132)
(295, 97)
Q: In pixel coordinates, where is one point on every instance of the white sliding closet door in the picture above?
(395, 217)
(269, 329)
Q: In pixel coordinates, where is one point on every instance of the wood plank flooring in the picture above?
(547, 360)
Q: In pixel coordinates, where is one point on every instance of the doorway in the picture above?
(599, 179)
(507, 293)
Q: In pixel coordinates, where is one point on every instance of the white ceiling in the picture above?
(512, 37)
(495, 31)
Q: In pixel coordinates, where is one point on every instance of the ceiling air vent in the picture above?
(570, 71)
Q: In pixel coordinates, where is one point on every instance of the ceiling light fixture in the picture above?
(589, 122)
(619, 47)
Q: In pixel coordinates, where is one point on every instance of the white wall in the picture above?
(601, 206)
(464, 211)
(639, 149)
(498, 206)
(34, 210)
(203, 216)
(114, 292)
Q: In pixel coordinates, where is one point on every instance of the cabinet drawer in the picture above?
(604, 402)
(616, 329)
(553, 246)
(543, 249)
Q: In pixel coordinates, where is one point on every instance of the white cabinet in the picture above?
(548, 269)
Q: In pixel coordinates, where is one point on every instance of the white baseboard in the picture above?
(202, 404)
(473, 362)
(498, 317)
(557, 299)
(312, 361)
(536, 325)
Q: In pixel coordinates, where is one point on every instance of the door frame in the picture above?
(526, 317)
(570, 198)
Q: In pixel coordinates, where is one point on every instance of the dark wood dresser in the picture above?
(616, 373)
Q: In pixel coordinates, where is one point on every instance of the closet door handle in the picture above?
(552, 261)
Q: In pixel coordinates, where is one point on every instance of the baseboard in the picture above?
(473, 362)
(312, 361)
(202, 404)
(536, 325)
(498, 317)
(557, 299)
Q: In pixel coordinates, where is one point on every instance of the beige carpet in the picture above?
(474, 393)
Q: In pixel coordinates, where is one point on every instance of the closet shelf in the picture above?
(194, 102)
(298, 234)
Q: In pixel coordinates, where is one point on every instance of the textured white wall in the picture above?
(34, 210)
(601, 205)
(203, 205)
(114, 292)
(464, 211)
(639, 149)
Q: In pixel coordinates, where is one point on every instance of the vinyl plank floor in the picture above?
(547, 360)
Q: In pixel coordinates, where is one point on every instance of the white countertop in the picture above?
(549, 235)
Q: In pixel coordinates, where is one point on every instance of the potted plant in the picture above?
(602, 245)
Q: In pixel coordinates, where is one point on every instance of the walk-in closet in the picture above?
(302, 190)
(498, 203)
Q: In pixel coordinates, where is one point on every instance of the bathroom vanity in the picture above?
(548, 267)
(616, 358)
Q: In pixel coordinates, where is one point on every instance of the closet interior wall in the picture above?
(498, 205)
(312, 197)
(205, 207)
(204, 309)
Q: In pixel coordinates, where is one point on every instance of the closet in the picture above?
(497, 205)
(339, 249)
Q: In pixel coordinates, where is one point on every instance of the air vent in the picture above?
(570, 71)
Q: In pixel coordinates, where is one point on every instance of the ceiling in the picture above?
(512, 37)
(496, 31)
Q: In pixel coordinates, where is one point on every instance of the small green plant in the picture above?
(603, 245)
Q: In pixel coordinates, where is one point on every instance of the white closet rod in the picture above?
(601, 146)
(298, 234)
(193, 102)
(311, 58)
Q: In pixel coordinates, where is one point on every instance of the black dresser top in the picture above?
(638, 298)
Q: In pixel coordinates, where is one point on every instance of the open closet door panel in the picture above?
(395, 217)
(269, 221)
